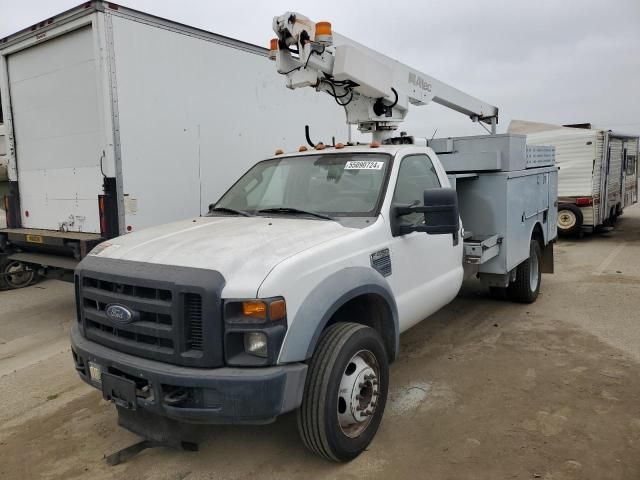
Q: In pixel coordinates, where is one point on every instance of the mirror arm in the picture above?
(404, 229)
(401, 211)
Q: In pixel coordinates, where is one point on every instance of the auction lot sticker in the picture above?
(363, 165)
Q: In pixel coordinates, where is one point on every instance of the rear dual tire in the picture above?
(345, 392)
(526, 286)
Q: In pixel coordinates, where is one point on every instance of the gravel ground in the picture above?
(483, 389)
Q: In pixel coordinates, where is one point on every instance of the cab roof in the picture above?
(360, 148)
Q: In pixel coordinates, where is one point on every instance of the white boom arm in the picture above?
(374, 89)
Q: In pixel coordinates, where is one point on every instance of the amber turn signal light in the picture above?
(277, 310)
(255, 309)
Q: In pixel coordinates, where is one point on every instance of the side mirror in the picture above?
(441, 215)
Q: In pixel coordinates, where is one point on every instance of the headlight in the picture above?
(254, 330)
(255, 343)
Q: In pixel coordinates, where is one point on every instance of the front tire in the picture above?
(526, 287)
(345, 392)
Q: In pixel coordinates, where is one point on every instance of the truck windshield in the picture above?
(343, 184)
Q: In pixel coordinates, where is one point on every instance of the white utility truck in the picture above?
(598, 172)
(292, 292)
(117, 120)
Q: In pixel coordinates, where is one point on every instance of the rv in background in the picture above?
(598, 174)
(117, 120)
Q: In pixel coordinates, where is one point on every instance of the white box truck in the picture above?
(117, 120)
(3, 173)
(292, 292)
(598, 174)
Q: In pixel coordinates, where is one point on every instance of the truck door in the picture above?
(427, 269)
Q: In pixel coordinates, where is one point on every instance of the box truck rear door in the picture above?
(54, 101)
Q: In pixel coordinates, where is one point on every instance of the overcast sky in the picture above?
(552, 61)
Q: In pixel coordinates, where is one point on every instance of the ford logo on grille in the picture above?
(118, 313)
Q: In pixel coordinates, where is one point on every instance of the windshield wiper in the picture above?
(294, 211)
(230, 210)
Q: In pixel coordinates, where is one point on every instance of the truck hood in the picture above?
(243, 249)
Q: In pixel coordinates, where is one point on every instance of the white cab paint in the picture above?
(243, 249)
(289, 257)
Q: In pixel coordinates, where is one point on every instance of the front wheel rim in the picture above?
(358, 395)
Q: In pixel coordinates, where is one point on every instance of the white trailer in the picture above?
(105, 102)
(598, 174)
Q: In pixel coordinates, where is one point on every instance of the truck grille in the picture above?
(168, 318)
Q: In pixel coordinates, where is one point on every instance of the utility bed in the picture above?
(496, 177)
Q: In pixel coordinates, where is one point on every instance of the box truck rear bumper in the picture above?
(193, 395)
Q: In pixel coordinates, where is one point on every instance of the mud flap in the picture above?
(547, 259)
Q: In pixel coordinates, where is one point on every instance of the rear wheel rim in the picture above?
(567, 219)
(16, 276)
(358, 393)
(534, 272)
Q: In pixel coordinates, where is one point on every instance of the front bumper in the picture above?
(213, 396)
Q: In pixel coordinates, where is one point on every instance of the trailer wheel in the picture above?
(15, 274)
(569, 219)
(526, 287)
(345, 392)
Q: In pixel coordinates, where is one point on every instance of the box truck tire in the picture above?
(526, 287)
(569, 219)
(345, 392)
(14, 274)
